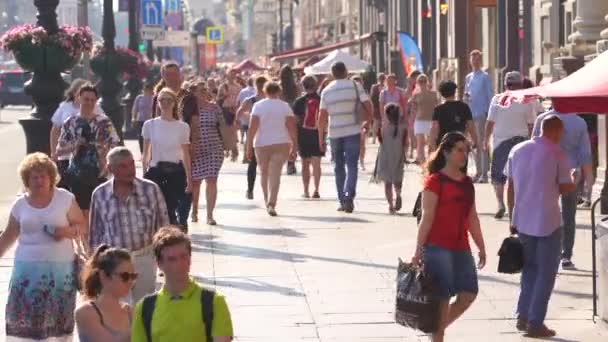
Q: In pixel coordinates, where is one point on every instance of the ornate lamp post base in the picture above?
(37, 134)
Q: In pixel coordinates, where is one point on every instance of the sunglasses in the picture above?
(165, 100)
(127, 276)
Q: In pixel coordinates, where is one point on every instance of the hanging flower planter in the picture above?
(120, 61)
(36, 50)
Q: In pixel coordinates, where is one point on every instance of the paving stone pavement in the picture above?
(313, 274)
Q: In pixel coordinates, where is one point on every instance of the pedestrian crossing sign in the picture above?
(215, 35)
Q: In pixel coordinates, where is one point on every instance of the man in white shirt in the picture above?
(340, 102)
(508, 124)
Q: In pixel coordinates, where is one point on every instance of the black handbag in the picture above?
(511, 256)
(417, 303)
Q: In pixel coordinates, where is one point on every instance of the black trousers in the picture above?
(252, 171)
(171, 178)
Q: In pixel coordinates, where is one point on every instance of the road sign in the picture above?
(174, 39)
(151, 12)
(152, 33)
(215, 35)
(173, 5)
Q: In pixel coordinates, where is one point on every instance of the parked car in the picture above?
(12, 88)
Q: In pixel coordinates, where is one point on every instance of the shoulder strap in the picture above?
(98, 313)
(207, 311)
(147, 311)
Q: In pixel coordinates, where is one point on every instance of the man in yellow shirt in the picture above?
(180, 310)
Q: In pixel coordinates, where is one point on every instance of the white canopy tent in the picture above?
(353, 64)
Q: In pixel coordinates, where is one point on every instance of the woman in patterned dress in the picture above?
(208, 150)
(44, 222)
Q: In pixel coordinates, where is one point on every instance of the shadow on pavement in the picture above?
(248, 284)
(265, 231)
(327, 218)
(201, 244)
(495, 279)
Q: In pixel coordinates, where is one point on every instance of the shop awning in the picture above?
(316, 50)
(584, 91)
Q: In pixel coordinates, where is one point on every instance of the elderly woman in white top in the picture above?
(44, 221)
(272, 128)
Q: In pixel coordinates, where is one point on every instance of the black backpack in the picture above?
(149, 303)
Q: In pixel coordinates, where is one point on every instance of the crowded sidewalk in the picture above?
(314, 274)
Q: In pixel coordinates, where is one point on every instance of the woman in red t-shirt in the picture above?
(448, 216)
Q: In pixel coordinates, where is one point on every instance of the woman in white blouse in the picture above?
(166, 158)
(273, 133)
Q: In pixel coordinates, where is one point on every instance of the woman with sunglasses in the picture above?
(166, 158)
(208, 151)
(107, 277)
(449, 216)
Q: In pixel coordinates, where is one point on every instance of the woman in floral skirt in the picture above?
(44, 221)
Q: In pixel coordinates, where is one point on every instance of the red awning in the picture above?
(316, 50)
(248, 65)
(309, 61)
(584, 91)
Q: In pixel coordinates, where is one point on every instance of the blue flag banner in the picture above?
(410, 53)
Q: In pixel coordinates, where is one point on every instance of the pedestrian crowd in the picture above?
(86, 223)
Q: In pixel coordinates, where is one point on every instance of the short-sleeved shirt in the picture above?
(455, 200)
(575, 140)
(180, 318)
(99, 129)
(33, 243)
(273, 114)
(537, 168)
(452, 116)
(339, 99)
(425, 101)
(510, 121)
(166, 139)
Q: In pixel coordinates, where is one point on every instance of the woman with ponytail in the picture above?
(106, 278)
(391, 156)
(449, 216)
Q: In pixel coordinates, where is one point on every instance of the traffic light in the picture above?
(142, 47)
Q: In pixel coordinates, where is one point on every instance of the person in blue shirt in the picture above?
(478, 94)
(575, 143)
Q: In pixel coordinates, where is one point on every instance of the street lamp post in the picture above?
(133, 85)
(109, 86)
(46, 88)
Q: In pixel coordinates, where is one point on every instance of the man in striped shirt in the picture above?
(339, 103)
(126, 212)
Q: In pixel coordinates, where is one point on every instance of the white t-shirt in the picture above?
(68, 109)
(166, 139)
(33, 243)
(339, 99)
(511, 121)
(273, 114)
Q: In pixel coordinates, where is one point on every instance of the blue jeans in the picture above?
(541, 262)
(346, 165)
(568, 222)
(453, 272)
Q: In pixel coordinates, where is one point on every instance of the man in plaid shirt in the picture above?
(126, 212)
